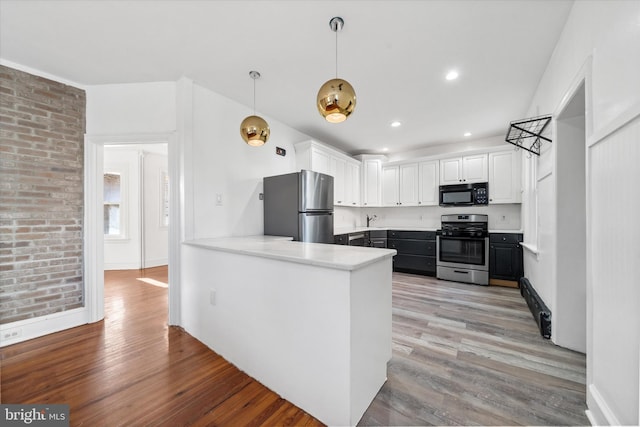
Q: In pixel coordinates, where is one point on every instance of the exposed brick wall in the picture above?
(42, 126)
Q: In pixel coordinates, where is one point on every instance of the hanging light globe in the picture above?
(255, 131)
(336, 100)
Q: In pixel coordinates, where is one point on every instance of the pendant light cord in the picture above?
(254, 96)
(336, 54)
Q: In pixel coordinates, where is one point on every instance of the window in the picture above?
(112, 205)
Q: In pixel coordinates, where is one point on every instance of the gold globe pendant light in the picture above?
(336, 98)
(254, 129)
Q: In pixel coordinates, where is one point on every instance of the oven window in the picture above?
(456, 197)
(462, 250)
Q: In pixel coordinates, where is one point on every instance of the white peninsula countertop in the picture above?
(285, 249)
(311, 321)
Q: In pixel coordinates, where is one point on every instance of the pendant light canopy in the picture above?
(254, 129)
(336, 98)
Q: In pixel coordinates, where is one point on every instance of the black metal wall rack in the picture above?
(527, 133)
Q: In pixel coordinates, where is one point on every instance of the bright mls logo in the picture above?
(35, 415)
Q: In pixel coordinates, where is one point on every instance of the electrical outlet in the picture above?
(212, 297)
(218, 199)
(10, 334)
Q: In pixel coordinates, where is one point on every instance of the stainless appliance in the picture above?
(462, 249)
(464, 194)
(299, 205)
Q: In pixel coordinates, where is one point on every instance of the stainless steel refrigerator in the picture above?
(299, 205)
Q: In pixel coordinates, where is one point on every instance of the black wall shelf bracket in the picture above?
(527, 133)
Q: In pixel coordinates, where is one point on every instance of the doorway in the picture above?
(570, 318)
(136, 212)
(94, 219)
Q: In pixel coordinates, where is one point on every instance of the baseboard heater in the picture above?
(541, 314)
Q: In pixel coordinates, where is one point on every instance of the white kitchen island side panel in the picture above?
(293, 326)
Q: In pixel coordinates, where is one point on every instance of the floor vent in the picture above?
(541, 313)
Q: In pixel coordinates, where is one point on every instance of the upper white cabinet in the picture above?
(505, 177)
(345, 170)
(428, 185)
(464, 170)
(410, 184)
(371, 181)
(352, 183)
(390, 183)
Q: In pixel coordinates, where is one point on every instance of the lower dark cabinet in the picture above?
(505, 259)
(416, 251)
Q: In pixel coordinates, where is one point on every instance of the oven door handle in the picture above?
(462, 238)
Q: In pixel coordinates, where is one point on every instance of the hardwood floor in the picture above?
(132, 369)
(462, 355)
(469, 355)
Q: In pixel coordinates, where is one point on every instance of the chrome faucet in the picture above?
(371, 219)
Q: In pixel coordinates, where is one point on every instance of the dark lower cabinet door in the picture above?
(505, 262)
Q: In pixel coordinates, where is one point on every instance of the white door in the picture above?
(474, 169)
(390, 183)
(409, 193)
(451, 171)
(429, 191)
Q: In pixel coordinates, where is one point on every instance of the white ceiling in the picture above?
(394, 53)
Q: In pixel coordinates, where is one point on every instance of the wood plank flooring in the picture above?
(472, 355)
(462, 355)
(133, 370)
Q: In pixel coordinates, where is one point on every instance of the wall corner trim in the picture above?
(599, 413)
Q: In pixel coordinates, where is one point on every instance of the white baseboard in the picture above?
(121, 265)
(599, 413)
(156, 262)
(23, 330)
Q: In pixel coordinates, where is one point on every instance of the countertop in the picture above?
(347, 230)
(285, 249)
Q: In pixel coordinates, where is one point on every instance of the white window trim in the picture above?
(124, 205)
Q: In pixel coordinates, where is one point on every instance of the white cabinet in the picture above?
(505, 177)
(371, 182)
(338, 171)
(345, 171)
(352, 184)
(464, 170)
(320, 161)
(390, 183)
(428, 184)
(400, 185)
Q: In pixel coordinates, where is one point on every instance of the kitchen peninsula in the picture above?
(310, 321)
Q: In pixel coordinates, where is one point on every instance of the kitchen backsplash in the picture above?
(501, 217)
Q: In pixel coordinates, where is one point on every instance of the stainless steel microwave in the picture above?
(464, 194)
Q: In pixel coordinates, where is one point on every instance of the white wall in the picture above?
(600, 42)
(501, 217)
(220, 163)
(131, 108)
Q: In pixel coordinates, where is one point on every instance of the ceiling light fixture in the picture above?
(254, 129)
(467, 134)
(452, 75)
(396, 124)
(336, 98)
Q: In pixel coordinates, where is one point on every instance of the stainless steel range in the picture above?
(462, 249)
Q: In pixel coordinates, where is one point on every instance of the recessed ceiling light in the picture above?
(385, 149)
(395, 124)
(452, 75)
(467, 134)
